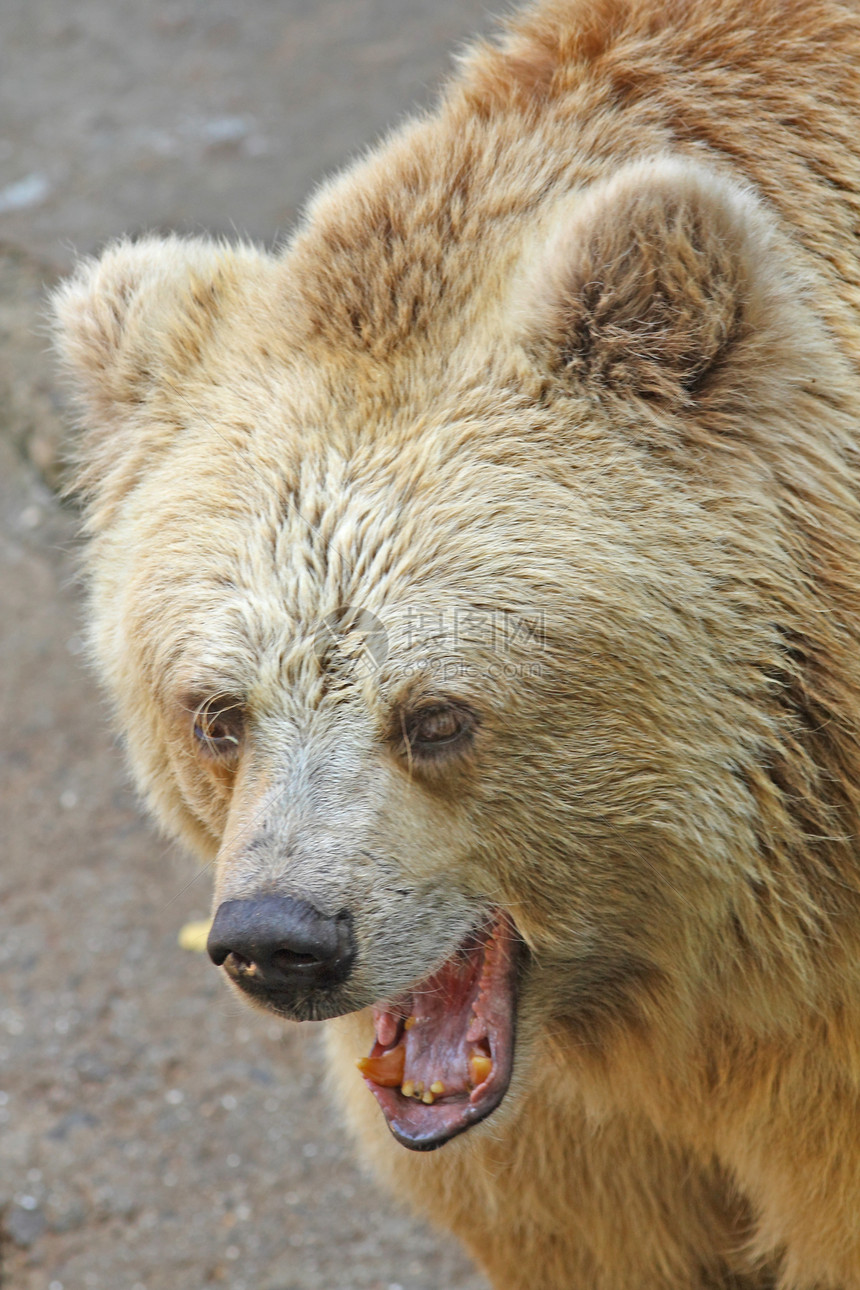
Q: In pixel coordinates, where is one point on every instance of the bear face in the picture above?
(470, 580)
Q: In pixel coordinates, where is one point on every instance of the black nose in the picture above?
(280, 946)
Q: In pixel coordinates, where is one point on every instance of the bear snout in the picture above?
(281, 950)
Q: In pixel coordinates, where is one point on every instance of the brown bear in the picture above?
(478, 583)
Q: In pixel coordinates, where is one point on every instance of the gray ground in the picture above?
(153, 1134)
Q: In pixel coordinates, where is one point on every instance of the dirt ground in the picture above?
(154, 1135)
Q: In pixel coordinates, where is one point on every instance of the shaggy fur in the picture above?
(579, 350)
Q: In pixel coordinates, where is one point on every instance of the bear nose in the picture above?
(279, 945)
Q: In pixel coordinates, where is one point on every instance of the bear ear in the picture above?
(667, 282)
(128, 327)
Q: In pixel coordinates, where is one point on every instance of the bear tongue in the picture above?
(443, 1052)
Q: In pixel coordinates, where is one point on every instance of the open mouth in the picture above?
(444, 1050)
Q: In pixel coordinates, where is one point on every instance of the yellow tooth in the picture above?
(409, 1023)
(437, 1087)
(428, 1098)
(386, 1069)
(419, 1088)
(480, 1066)
(408, 1088)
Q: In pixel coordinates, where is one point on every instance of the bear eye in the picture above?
(438, 729)
(218, 728)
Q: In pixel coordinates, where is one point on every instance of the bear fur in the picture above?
(577, 350)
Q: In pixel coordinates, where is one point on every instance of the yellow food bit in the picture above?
(193, 936)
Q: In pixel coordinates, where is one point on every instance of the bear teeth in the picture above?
(411, 1088)
(480, 1065)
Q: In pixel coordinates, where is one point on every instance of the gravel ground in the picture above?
(154, 1135)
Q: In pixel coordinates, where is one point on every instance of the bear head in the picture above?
(452, 573)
